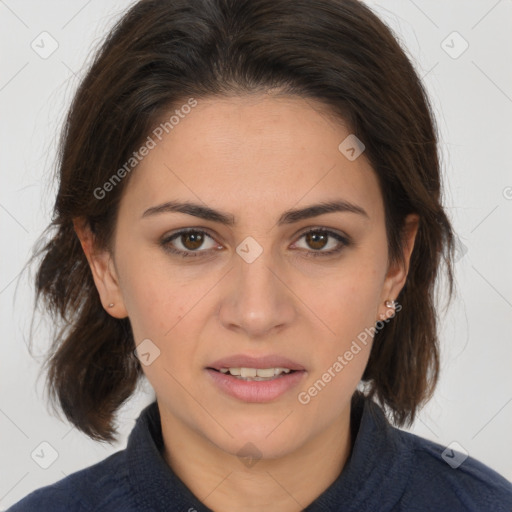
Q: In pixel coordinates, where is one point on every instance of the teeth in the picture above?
(248, 372)
(255, 372)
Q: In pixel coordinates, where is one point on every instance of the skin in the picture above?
(253, 157)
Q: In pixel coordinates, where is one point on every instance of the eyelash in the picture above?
(165, 243)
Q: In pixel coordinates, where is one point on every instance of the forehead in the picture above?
(254, 152)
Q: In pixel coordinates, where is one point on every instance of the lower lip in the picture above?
(255, 391)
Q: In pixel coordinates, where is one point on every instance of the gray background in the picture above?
(472, 95)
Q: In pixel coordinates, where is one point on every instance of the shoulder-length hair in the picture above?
(162, 53)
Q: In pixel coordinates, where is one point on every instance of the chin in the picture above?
(259, 440)
(251, 450)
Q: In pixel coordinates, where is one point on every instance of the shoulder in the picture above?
(101, 487)
(448, 479)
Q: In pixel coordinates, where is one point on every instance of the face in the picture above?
(252, 280)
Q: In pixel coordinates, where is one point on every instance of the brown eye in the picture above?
(316, 239)
(192, 240)
(188, 243)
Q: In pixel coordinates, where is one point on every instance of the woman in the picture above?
(249, 215)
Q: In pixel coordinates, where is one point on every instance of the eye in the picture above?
(187, 242)
(190, 241)
(318, 239)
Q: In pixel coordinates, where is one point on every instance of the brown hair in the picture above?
(161, 53)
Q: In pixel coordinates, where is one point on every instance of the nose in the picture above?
(258, 301)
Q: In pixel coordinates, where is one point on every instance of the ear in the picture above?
(103, 270)
(397, 273)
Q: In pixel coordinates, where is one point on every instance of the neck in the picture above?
(286, 484)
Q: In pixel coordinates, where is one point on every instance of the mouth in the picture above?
(255, 374)
(261, 363)
(252, 379)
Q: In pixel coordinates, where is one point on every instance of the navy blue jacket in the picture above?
(388, 470)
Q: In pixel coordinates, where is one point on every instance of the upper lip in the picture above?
(246, 361)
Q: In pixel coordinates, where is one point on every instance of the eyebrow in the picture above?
(288, 217)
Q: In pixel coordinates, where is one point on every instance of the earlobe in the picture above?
(102, 269)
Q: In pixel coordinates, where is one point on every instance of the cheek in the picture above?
(348, 308)
(155, 300)
(145, 303)
(166, 310)
(350, 301)
(341, 355)
(164, 315)
(161, 315)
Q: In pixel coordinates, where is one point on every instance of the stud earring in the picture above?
(390, 303)
(111, 305)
